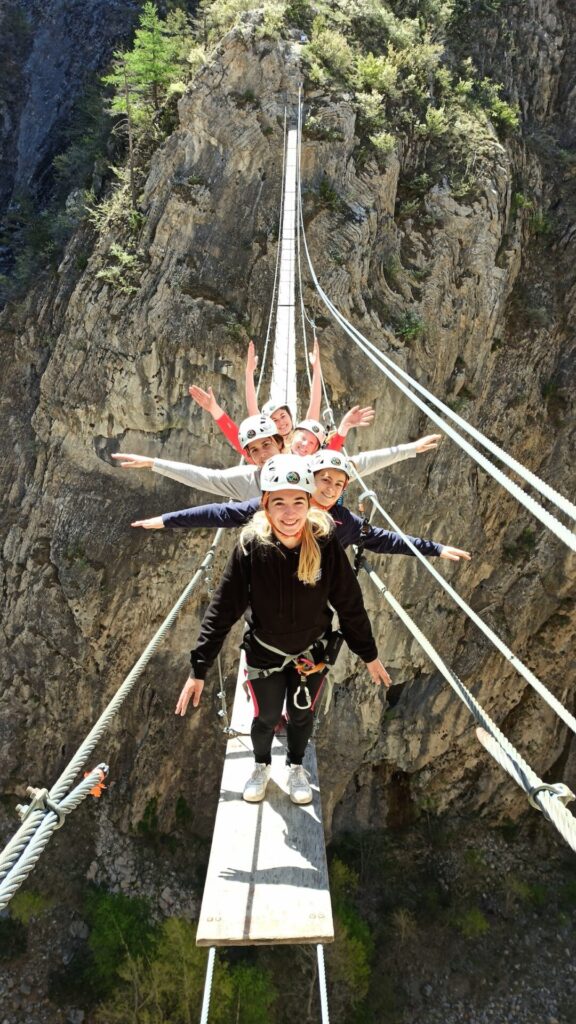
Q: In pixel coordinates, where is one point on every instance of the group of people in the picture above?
(289, 571)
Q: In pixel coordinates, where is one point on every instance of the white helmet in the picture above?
(254, 428)
(314, 427)
(287, 473)
(273, 405)
(328, 459)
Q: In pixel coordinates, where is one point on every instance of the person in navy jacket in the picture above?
(332, 473)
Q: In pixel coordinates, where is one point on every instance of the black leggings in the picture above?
(268, 695)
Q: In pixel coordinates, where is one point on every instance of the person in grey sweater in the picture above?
(243, 482)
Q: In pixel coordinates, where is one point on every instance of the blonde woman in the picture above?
(287, 569)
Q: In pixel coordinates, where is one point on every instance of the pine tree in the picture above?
(153, 59)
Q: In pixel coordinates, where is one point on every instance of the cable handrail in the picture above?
(503, 648)
(17, 845)
(548, 799)
(554, 525)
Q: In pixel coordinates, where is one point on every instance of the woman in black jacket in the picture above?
(285, 572)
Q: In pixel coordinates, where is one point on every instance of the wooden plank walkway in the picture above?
(267, 878)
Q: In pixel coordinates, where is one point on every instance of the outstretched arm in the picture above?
(369, 462)
(218, 514)
(350, 530)
(251, 364)
(126, 461)
(316, 388)
(225, 608)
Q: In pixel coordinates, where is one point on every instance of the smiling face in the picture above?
(287, 512)
(283, 421)
(262, 450)
(304, 442)
(330, 484)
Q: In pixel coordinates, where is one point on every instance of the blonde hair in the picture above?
(317, 524)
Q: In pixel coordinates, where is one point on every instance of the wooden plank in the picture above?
(267, 878)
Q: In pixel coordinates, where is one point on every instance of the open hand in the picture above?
(378, 673)
(426, 444)
(205, 399)
(251, 359)
(156, 523)
(356, 417)
(126, 461)
(455, 554)
(192, 689)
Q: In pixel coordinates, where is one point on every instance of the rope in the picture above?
(322, 984)
(516, 663)
(550, 799)
(208, 985)
(540, 485)
(545, 517)
(554, 525)
(500, 747)
(19, 841)
(51, 820)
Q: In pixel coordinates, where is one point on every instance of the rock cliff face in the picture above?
(52, 49)
(90, 369)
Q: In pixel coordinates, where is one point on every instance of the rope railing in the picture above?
(561, 502)
(499, 644)
(551, 522)
(499, 746)
(19, 842)
(503, 648)
(22, 846)
(276, 269)
(51, 820)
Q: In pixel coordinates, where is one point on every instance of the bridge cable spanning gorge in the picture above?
(267, 879)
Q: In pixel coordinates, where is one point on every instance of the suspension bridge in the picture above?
(267, 878)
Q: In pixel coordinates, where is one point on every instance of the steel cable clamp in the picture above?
(558, 789)
(40, 801)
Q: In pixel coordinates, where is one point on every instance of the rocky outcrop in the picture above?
(54, 50)
(92, 368)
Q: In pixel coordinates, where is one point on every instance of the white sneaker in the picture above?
(255, 788)
(299, 788)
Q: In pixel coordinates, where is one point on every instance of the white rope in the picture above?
(545, 517)
(50, 821)
(19, 841)
(516, 663)
(535, 481)
(322, 984)
(550, 799)
(208, 985)
(554, 525)
(500, 747)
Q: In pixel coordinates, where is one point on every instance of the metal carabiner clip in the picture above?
(303, 707)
